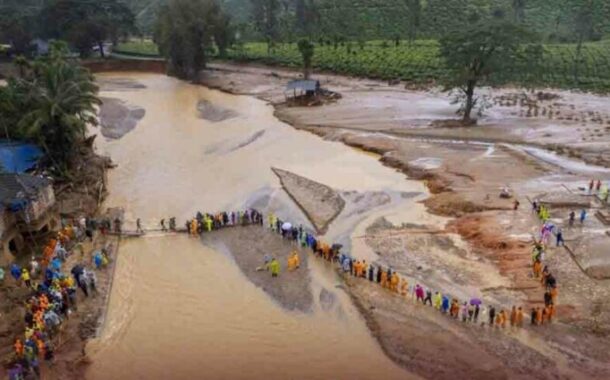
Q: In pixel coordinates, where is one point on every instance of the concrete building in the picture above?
(26, 209)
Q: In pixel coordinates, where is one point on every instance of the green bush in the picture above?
(419, 63)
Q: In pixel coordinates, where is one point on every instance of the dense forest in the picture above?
(386, 19)
(370, 19)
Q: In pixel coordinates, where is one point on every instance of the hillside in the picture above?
(385, 19)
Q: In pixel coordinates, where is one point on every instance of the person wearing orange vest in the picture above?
(513, 316)
(384, 278)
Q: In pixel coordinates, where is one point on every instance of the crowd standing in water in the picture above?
(52, 296)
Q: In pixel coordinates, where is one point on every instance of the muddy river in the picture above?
(181, 310)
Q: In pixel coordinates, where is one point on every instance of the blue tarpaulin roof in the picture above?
(18, 157)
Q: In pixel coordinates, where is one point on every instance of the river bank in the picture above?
(489, 244)
(75, 199)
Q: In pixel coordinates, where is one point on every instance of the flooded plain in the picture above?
(179, 309)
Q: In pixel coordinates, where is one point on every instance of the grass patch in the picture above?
(138, 47)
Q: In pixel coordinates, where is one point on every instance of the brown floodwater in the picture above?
(181, 310)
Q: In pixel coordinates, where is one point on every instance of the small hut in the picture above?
(302, 88)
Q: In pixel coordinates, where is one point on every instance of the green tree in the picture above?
(588, 18)
(519, 11)
(414, 17)
(62, 97)
(87, 23)
(224, 33)
(14, 103)
(477, 54)
(265, 18)
(16, 27)
(307, 50)
(307, 16)
(185, 33)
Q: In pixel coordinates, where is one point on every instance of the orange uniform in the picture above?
(384, 278)
(519, 317)
(404, 285)
(537, 268)
(554, 293)
(394, 282)
(513, 316)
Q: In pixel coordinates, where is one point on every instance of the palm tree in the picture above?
(64, 97)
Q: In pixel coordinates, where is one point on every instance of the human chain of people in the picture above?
(52, 295)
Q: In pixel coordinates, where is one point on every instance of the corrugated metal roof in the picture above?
(305, 85)
(19, 188)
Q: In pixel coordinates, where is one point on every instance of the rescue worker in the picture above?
(554, 292)
(465, 312)
(501, 319)
(445, 304)
(492, 315)
(437, 300)
(363, 269)
(559, 237)
(274, 267)
(551, 312)
(455, 308)
(404, 286)
(513, 317)
(428, 297)
(394, 282)
(293, 261)
(538, 316)
(25, 276)
(519, 319)
(537, 268)
(357, 268)
(419, 293)
(384, 278)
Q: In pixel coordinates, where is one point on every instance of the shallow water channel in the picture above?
(180, 310)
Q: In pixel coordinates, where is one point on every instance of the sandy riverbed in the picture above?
(465, 168)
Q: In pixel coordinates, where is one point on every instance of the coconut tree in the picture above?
(63, 97)
(307, 49)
